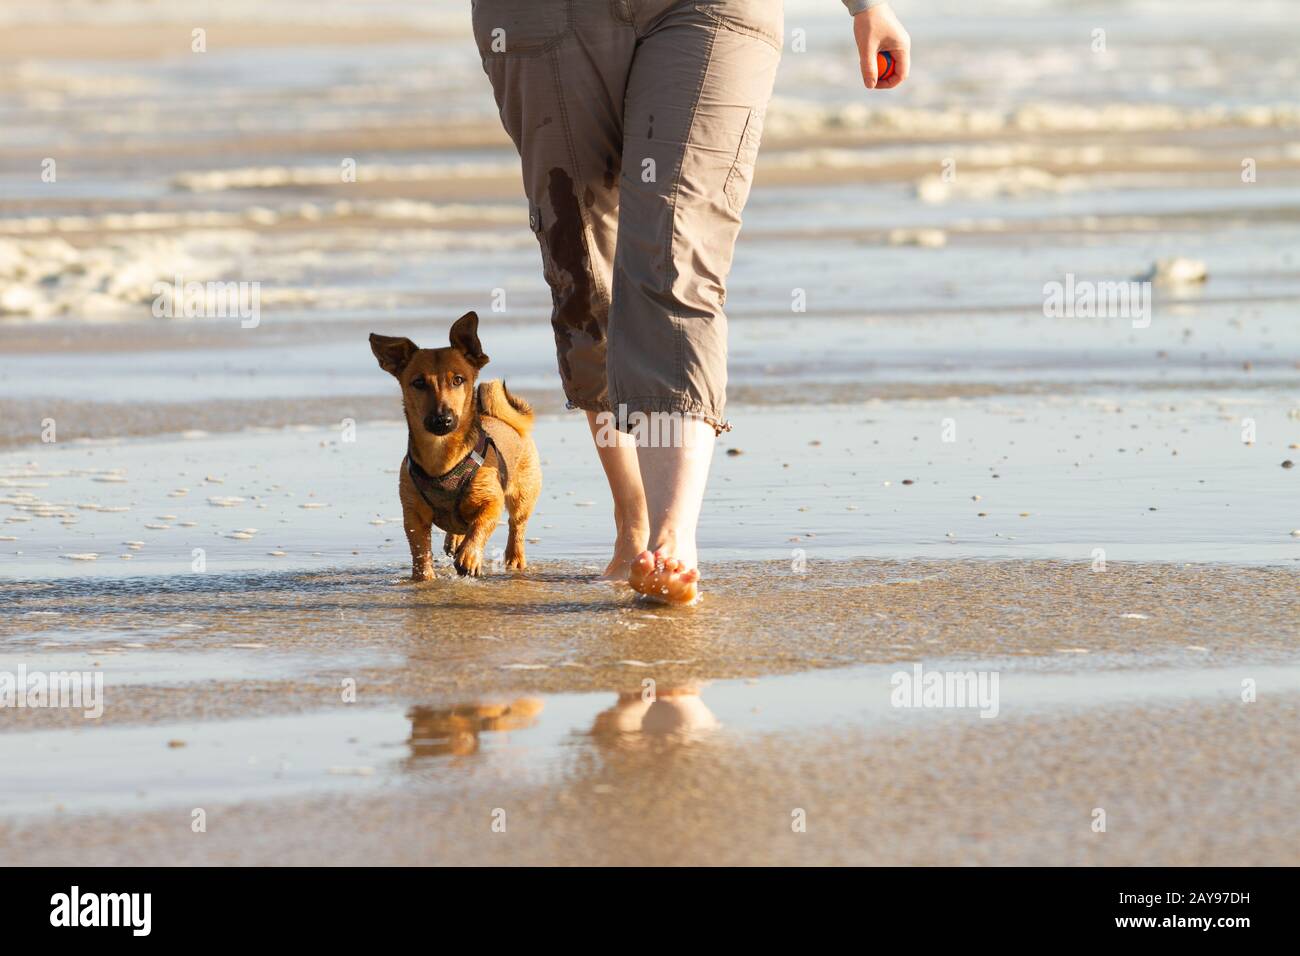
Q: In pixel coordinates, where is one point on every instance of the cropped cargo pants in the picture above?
(637, 124)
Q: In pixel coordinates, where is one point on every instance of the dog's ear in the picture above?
(393, 353)
(464, 338)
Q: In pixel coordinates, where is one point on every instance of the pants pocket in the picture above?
(536, 224)
(741, 174)
(764, 19)
(520, 27)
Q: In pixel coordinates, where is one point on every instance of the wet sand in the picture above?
(1120, 690)
(710, 773)
(1081, 479)
(554, 628)
(1194, 785)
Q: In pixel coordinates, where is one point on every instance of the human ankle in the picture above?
(633, 526)
(676, 543)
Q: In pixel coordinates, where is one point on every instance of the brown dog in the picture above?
(469, 451)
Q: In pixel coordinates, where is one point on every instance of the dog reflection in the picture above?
(455, 731)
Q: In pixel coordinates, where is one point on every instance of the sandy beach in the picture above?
(225, 695)
(930, 468)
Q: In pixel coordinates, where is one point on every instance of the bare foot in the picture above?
(663, 578)
(626, 548)
(620, 566)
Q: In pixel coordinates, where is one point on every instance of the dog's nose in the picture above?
(440, 424)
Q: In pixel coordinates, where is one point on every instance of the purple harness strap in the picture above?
(443, 493)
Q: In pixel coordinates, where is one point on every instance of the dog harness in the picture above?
(444, 492)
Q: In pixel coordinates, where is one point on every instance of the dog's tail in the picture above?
(495, 400)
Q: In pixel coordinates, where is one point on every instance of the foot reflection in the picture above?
(677, 712)
(455, 731)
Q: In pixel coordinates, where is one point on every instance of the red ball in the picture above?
(884, 65)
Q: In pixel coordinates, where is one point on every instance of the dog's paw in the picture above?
(451, 544)
(516, 562)
(469, 561)
(423, 574)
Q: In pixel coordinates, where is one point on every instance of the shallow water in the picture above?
(226, 690)
(358, 749)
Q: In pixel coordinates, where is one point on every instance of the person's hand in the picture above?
(875, 30)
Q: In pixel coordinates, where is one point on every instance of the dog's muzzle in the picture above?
(440, 424)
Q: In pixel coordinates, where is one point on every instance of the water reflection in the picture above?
(677, 712)
(636, 717)
(456, 731)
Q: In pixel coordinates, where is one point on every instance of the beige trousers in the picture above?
(637, 124)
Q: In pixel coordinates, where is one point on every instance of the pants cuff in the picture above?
(589, 405)
(682, 406)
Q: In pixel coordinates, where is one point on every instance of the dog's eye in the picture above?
(419, 383)
(457, 380)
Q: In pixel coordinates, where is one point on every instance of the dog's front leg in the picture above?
(419, 535)
(469, 555)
